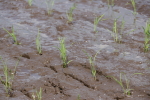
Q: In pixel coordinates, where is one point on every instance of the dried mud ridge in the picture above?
(59, 88)
(72, 76)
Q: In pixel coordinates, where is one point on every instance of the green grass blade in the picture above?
(63, 52)
(13, 35)
(30, 2)
(147, 36)
(50, 4)
(134, 6)
(38, 43)
(96, 21)
(70, 13)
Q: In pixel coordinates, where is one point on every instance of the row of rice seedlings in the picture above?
(92, 63)
(30, 2)
(111, 3)
(134, 6)
(147, 36)
(70, 13)
(50, 4)
(7, 79)
(37, 95)
(96, 21)
(38, 43)
(13, 35)
(63, 52)
(126, 87)
(63, 56)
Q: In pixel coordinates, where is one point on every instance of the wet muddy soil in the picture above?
(76, 81)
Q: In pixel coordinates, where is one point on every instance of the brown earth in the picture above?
(46, 71)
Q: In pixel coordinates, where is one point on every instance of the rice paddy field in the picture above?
(74, 50)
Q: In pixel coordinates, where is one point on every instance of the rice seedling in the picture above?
(7, 79)
(30, 2)
(50, 4)
(110, 3)
(134, 6)
(92, 63)
(126, 88)
(70, 13)
(96, 21)
(13, 35)
(37, 95)
(63, 52)
(147, 36)
(38, 43)
(78, 97)
(115, 31)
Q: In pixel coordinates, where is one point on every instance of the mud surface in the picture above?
(46, 71)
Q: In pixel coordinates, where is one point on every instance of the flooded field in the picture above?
(115, 40)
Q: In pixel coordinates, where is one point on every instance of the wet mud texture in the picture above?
(46, 71)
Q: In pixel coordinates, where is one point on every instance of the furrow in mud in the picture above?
(51, 67)
(81, 81)
(58, 88)
(26, 93)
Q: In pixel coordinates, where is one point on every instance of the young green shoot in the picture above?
(30, 2)
(147, 36)
(130, 31)
(37, 95)
(92, 63)
(7, 79)
(70, 13)
(50, 4)
(134, 6)
(78, 97)
(115, 31)
(38, 43)
(96, 21)
(13, 35)
(138, 74)
(63, 52)
(110, 3)
(126, 88)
